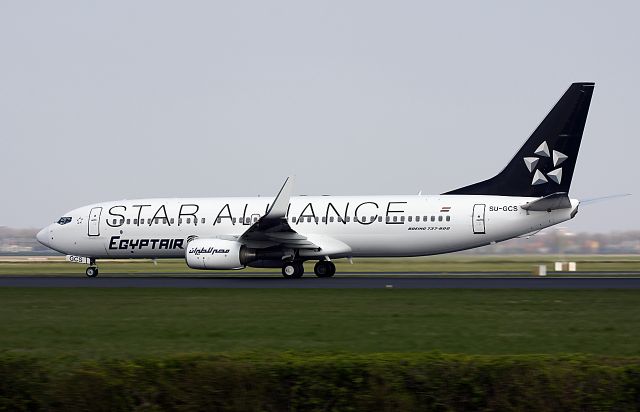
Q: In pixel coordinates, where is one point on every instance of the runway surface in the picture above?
(364, 282)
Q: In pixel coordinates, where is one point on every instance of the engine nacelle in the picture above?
(215, 254)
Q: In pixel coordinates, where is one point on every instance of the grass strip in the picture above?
(130, 323)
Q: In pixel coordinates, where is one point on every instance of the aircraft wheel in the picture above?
(288, 270)
(324, 269)
(292, 270)
(299, 271)
(92, 271)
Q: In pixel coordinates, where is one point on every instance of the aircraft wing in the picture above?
(273, 229)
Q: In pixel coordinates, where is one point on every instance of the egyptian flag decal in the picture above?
(445, 209)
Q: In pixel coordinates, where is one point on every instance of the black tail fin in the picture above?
(545, 164)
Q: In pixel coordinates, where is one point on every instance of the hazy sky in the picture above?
(126, 99)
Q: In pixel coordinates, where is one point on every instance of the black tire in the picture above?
(332, 269)
(292, 270)
(324, 269)
(321, 269)
(92, 271)
(299, 271)
(288, 270)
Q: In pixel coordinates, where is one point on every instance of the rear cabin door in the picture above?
(94, 221)
(478, 219)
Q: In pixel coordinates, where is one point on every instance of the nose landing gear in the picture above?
(92, 271)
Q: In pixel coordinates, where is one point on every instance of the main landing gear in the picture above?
(92, 271)
(324, 269)
(295, 270)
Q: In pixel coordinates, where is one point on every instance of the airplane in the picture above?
(531, 193)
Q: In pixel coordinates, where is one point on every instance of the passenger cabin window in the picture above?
(433, 218)
(218, 220)
(128, 221)
(448, 218)
(65, 220)
(324, 219)
(172, 220)
(439, 218)
(331, 219)
(202, 220)
(380, 219)
(410, 218)
(293, 219)
(188, 220)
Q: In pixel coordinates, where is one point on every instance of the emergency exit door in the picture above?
(94, 221)
(478, 219)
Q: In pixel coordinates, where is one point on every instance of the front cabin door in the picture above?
(94, 221)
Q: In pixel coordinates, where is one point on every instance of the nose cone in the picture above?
(43, 236)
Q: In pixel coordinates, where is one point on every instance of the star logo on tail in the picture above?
(540, 178)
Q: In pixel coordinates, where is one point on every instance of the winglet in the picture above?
(281, 203)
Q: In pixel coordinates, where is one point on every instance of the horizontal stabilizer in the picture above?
(548, 203)
(603, 198)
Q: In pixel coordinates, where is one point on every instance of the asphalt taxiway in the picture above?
(376, 281)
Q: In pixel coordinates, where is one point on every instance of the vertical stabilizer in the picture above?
(545, 164)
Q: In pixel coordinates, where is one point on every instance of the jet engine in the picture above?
(220, 254)
(216, 254)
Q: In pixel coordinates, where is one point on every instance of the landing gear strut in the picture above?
(92, 271)
(324, 269)
(292, 270)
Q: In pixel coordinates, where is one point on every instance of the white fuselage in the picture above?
(354, 226)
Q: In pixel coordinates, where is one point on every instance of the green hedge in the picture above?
(381, 382)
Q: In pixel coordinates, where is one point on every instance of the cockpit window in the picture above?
(64, 220)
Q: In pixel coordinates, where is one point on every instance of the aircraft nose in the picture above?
(43, 236)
